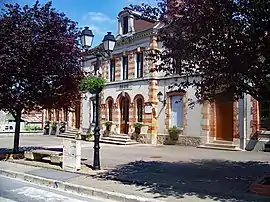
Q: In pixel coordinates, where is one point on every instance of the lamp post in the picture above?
(109, 41)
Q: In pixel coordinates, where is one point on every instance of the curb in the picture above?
(65, 186)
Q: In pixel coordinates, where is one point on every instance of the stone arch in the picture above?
(135, 108)
(120, 96)
(109, 108)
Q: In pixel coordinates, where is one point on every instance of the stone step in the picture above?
(116, 139)
(66, 135)
(120, 136)
(219, 147)
(223, 142)
(118, 143)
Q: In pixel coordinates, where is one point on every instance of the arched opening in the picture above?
(139, 110)
(124, 103)
(110, 108)
(78, 116)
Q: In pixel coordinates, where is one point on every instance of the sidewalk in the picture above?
(105, 188)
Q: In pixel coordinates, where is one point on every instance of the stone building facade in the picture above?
(131, 96)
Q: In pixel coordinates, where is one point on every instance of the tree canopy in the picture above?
(39, 60)
(215, 45)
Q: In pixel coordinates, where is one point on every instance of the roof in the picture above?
(33, 117)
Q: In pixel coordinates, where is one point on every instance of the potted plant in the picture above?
(89, 136)
(62, 128)
(138, 127)
(47, 128)
(174, 133)
(108, 125)
(54, 128)
(92, 84)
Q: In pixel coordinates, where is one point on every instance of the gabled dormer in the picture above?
(130, 22)
(125, 22)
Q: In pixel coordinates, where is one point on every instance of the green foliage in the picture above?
(138, 125)
(225, 44)
(92, 84)
(108, 123)
(32, 128)
(40, 60)
(54, 125)
(174, 133)
(90, 136)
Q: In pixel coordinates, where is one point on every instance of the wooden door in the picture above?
(78, 116)
(224, 121)
(124, 108)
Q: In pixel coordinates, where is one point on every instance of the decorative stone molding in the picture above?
(235, 120)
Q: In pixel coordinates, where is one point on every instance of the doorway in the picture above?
(124, 112)
(78, 116)
(224, 120)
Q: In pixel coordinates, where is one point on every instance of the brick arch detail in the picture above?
(109, 98)
(119, 98)
(138, 96)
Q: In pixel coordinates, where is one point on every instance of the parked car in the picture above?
(7, 128)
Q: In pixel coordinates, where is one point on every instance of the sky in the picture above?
(99, 15)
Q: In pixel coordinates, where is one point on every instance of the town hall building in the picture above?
(134, 93)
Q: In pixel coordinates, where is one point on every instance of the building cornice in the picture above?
(143, 79)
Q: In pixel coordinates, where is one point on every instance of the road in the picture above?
(12, 190)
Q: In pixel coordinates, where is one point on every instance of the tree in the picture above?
(217, 46)
(39, 60)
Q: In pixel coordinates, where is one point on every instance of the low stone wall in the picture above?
(183, 140)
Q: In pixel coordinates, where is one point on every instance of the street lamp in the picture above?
(109, 41)
(160, 98)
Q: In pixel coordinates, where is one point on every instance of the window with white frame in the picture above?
(139, 63)
(112, 70)
(125, 67)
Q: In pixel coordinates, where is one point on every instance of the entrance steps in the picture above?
(121, 139)
(220, 145)
(70, 133)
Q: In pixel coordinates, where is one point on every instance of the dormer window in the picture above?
(125, 25)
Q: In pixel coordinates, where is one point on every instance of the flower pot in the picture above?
(108, 128)
(138, 130)
(53, 131)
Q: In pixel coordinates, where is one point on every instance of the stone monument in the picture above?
(72, 154)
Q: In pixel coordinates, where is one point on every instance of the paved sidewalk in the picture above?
(130, 189)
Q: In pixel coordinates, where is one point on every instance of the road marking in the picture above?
(6, 200)
(42, 195)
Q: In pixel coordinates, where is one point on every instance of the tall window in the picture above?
(264, 115)
(177, 108)
(49, 115)
(112, 70)
(94, 111)
(125, 67)
(110, 106)
(125, 25)
(65, 114)
(139, 109)
(139, 65)
(57, 114)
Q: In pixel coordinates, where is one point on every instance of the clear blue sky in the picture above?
(99, 15)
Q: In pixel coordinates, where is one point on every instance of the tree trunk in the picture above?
(16, 143)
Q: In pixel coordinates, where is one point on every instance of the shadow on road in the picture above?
(216, 179)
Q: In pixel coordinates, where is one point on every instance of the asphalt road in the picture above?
(12, 190)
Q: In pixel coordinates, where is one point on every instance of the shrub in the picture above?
(108, 123)
(138, 125)
(54, 125)
(174, 133)
(32, 128)
(92, 84)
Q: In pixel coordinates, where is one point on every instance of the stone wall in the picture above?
(183, 140)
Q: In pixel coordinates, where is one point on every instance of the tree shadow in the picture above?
(23, 149)
(216, 179)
